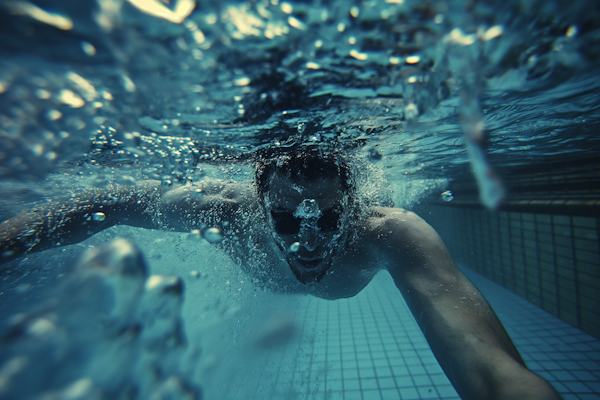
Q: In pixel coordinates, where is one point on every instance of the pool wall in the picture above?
(551, 260)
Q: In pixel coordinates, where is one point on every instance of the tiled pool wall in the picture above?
(551, 260)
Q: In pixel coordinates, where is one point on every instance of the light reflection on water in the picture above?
(389, 70)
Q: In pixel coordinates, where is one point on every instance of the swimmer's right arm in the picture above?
(207, 202)
(144, 205)
(54, 224)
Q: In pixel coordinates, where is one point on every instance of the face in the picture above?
(307, 221)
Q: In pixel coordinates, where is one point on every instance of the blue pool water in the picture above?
(422, 94)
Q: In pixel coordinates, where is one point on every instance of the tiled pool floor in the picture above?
(370, 348)
(564, 355)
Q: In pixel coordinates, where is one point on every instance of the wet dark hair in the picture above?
(303, 165)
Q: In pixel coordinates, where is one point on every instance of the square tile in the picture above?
(351, 384)
(383, 371)
(400, 370)
(352, 395)
(428, 392)
(439, 379)
(446, 391)
(409, 393)
(389, 394)
(588, 396)
(404, 381)
(563, 376)
(335, 385)
(421, 380)
(369, 384)
(366, 373)
(380, 362)
(371, 395)
(434, 369)
(416, 369)
(577, 387)
(594, 385)
(386, 383)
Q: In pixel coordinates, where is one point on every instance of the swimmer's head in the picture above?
(303, 165)
(305, 196)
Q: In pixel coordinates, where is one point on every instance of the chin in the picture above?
(309, 272)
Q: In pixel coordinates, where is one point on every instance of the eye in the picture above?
(285, 222)
(330, 220)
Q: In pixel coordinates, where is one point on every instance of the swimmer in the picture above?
(299, 228)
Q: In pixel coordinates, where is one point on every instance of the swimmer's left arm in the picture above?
(463, 331)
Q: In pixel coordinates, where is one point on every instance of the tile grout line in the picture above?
(283, 354)
(370, 304)
(343, 383)
(541, 271)
(312, 353)
(364, 329)
(395, 339)
(317, 309)
(577, 299)
(329, 304)
(351, 319)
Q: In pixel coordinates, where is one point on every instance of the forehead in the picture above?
(285, 191)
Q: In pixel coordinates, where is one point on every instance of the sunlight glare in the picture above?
(182, 9)
(33, 11)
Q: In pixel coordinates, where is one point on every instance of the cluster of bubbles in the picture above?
(46, 117)
(212, 235)
(107, 306)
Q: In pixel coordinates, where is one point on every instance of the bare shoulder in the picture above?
(386, 220)
(207, 200)
(401, 233)
(210, 190)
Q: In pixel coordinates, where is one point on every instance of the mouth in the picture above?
(309, 271)
(310, 265)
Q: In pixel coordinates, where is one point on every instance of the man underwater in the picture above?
(304, 231)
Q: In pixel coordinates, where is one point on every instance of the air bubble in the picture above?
(7, 253)
(126, 180)
(88, 48)
(194, 234)
(447, 196)
(213, 235)
(53, 115)
(99, 216)
(411, 112)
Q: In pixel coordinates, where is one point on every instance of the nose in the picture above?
(309, 239)
(310, 246)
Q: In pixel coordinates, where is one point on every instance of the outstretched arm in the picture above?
(56, 224)
(145, 205)
(463, 331)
